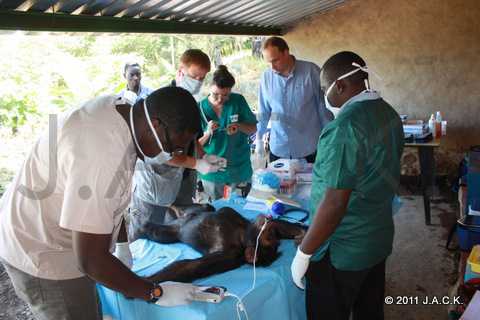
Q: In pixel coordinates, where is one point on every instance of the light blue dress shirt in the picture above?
(296, 109)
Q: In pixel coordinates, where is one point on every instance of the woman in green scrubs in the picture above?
(227, 121)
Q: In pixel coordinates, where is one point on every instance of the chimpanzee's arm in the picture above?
(189, 270)
(288, 230)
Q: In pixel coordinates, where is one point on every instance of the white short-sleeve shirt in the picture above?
(77, 177)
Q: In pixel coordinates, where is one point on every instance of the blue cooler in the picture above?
(468, 232)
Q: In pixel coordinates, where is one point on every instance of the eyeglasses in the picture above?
(173, 152)
(220, 96)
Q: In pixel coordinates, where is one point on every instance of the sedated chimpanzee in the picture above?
(225, 239)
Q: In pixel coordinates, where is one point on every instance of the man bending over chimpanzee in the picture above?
(225, 239)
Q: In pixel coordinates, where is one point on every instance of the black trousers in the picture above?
(188, 188)
(333, 294)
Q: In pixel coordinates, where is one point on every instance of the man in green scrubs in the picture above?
(356, 174)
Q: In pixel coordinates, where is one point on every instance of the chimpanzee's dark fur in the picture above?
(224, 238)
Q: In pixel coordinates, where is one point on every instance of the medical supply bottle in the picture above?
(275, 206)
(438, 121)
(432, 126)
(227, 193)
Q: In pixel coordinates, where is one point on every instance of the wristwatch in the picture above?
(156, 293)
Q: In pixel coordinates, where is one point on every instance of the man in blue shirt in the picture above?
(133, 74)
(291, 99)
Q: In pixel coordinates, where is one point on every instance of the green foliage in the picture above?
(159, 55)
(247, 71)
(150, 52)
(45, 74)
(6, 176)
(78, 47)
(62, 97)
(15, 109)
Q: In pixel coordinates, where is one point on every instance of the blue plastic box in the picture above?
(468, 232)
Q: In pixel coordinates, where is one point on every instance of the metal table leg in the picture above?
(427, 175)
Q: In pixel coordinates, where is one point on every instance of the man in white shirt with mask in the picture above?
(63, 213)
(157, 187)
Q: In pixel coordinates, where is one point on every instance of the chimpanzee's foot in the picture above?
(143, 231)
(161, 233)
(181, 210)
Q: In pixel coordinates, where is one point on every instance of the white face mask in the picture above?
(337, 111)
(160, 158)
(191, 85)
(328, 105)
(332, 109)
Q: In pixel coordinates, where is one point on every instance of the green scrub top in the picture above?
(360, 151)
(234, 148)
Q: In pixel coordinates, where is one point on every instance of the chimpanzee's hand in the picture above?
(298, 238)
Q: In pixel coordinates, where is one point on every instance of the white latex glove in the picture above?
(130, 96)
(260, 147)
(210, 163)
(212, 125)
(221, 162)
(123, 253)
(299, 267)
(176, 294)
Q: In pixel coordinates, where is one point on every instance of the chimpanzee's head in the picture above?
(268, 242)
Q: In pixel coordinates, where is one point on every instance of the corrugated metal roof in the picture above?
(270, 15)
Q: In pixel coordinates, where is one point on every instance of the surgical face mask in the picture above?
(328, 105)
(160, 158)
(191, 85)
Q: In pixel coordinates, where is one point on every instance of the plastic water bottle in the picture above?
(438, 121)
(432, 126)
(275, 206)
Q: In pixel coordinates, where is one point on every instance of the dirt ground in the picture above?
(418, 268)
(12, 308)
